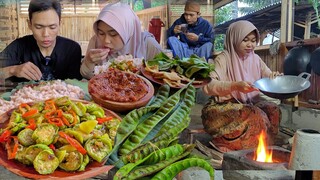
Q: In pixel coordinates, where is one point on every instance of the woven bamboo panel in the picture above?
(8, 27)
(76, 27)
(146, 15)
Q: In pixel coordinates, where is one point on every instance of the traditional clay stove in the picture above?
(262, 158)
(244, 160)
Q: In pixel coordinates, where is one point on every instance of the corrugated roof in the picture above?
(269, 17)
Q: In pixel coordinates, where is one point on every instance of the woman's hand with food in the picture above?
(243, 86)
(97, 56)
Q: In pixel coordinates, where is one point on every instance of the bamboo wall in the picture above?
(76, 27)
(77, 20)
(146, 15)
(8, 25)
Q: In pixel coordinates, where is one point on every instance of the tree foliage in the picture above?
(254, 5)
(222, 15)
(315, 4)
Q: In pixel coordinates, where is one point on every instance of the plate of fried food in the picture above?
(178, 72)
(57, 139)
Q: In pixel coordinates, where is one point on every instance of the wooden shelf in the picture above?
(303, 104)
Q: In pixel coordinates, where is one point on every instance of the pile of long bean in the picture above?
(146, 141)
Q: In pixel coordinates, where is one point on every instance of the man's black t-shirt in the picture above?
(63, 63)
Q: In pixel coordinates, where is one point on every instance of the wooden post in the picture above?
(286, 21)
(308, 23)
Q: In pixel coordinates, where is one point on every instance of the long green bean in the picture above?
(174, 131)
(132, 119)
(142, 171)
(172, 170)
(142, 130)
(144, 150)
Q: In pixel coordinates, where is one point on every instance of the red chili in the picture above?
(102, 120)
(56, 121)
(50, 105)
(32, 124)
(59, 113)
(65, 121)
(12, 151)
(49, 114)
(51, 146)
(30, 113)
(75, 117)
(73, 142)
(22, 106)
(5, 135)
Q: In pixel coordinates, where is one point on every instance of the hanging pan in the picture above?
(315, 61)
(297, 60)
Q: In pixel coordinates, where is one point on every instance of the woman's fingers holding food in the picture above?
(98, 55)
(243, 86)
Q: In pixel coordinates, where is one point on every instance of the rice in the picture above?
(5, 106)
(48, 90)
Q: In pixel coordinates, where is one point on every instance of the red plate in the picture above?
(123, 106)
(147, 74)
(94, 168)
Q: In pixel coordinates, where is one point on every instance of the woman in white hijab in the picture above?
(117, 32)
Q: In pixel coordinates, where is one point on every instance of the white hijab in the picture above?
(123, 19)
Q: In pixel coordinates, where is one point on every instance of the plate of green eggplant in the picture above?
(57, 138)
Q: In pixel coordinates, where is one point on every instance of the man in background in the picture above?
(191, 34)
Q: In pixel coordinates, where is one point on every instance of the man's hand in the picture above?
(192, 36)
(177, 29)
(97, 56)
(27, 70)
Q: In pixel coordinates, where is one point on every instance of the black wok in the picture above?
(315, 61)
(283, 87)
(297, 61)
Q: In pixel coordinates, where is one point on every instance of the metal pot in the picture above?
(315, 61)
(297, 61)
(283, 87)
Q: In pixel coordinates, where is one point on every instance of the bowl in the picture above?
(117, 106)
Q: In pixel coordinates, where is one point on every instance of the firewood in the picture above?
(215, 147)
(208, 151)
(216, 164)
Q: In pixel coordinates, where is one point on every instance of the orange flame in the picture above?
(263, 155)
